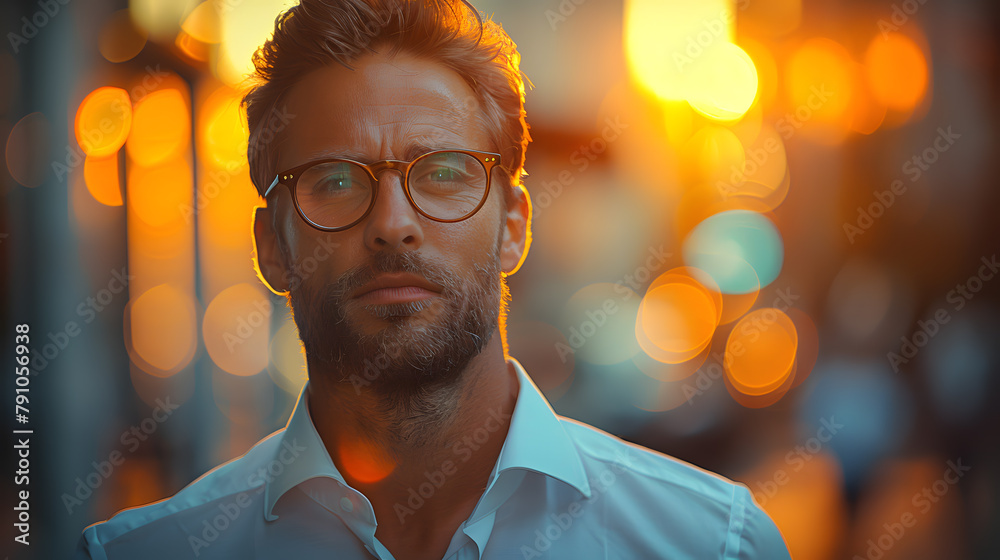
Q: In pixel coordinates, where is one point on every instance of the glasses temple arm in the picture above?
(274, 183)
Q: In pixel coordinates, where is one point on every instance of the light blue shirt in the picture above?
(560, 489)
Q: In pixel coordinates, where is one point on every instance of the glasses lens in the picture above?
(334, 194)
(447, 185)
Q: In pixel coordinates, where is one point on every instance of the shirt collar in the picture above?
(536, 441)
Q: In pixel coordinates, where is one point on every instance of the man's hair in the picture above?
(317, 33)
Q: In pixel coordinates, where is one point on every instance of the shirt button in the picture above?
(346, 505)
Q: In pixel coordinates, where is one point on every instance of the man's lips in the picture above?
(402, 294)
(396, 288)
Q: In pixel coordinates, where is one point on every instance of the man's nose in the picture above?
(393, 223)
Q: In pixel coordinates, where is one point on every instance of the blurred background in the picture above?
(765, 242)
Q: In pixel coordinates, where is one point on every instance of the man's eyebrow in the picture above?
(339, 153)
(413, 149)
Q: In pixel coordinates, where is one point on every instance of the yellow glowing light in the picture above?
(158, 195)
(764, 175)
(222, 131)
(191, 47)
(726, 83)
(715, 154)
(101, 175)
(665, 38)
(244, 30)
(897, 71)
(160, 18)
(160, 127)
(684, 50)
(204, 22)
(103, 121)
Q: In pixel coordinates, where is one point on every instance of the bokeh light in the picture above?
(204, 23)
(222, 132)
(103, 121)
(897, 71)
(236, 329)
(684, 51)
(163, 326)
(876, 402)
(158, 194)
(363, 459)
(819, 85)
(27, 150)
(760, 352)
(726, 83)
(243, 31)
(120, 39)
(161, 127)
(160, 18)
(740, 250)
(103, 179)
(676, 321)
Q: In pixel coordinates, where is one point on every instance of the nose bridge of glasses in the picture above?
(379, 167)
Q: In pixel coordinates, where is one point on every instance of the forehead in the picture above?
(385, 108)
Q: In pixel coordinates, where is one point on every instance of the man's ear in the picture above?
(517, 231)
(270, 261)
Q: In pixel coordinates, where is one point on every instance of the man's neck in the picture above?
(451, 439)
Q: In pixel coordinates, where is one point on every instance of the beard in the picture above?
(425, 346)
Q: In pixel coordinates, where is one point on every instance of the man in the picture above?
(416, 437)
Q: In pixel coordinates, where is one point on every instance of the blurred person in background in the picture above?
(395, 210)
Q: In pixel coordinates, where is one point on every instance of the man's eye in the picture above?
(336, 183)
(445, 174)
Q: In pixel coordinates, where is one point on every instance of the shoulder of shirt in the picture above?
(600, 450)
(228, 479)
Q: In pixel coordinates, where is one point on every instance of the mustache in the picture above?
(388, 263)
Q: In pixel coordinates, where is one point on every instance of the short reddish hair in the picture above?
(316, 33)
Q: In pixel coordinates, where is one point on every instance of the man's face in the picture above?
(400, 339)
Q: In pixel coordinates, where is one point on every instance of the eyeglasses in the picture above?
(335, 194)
